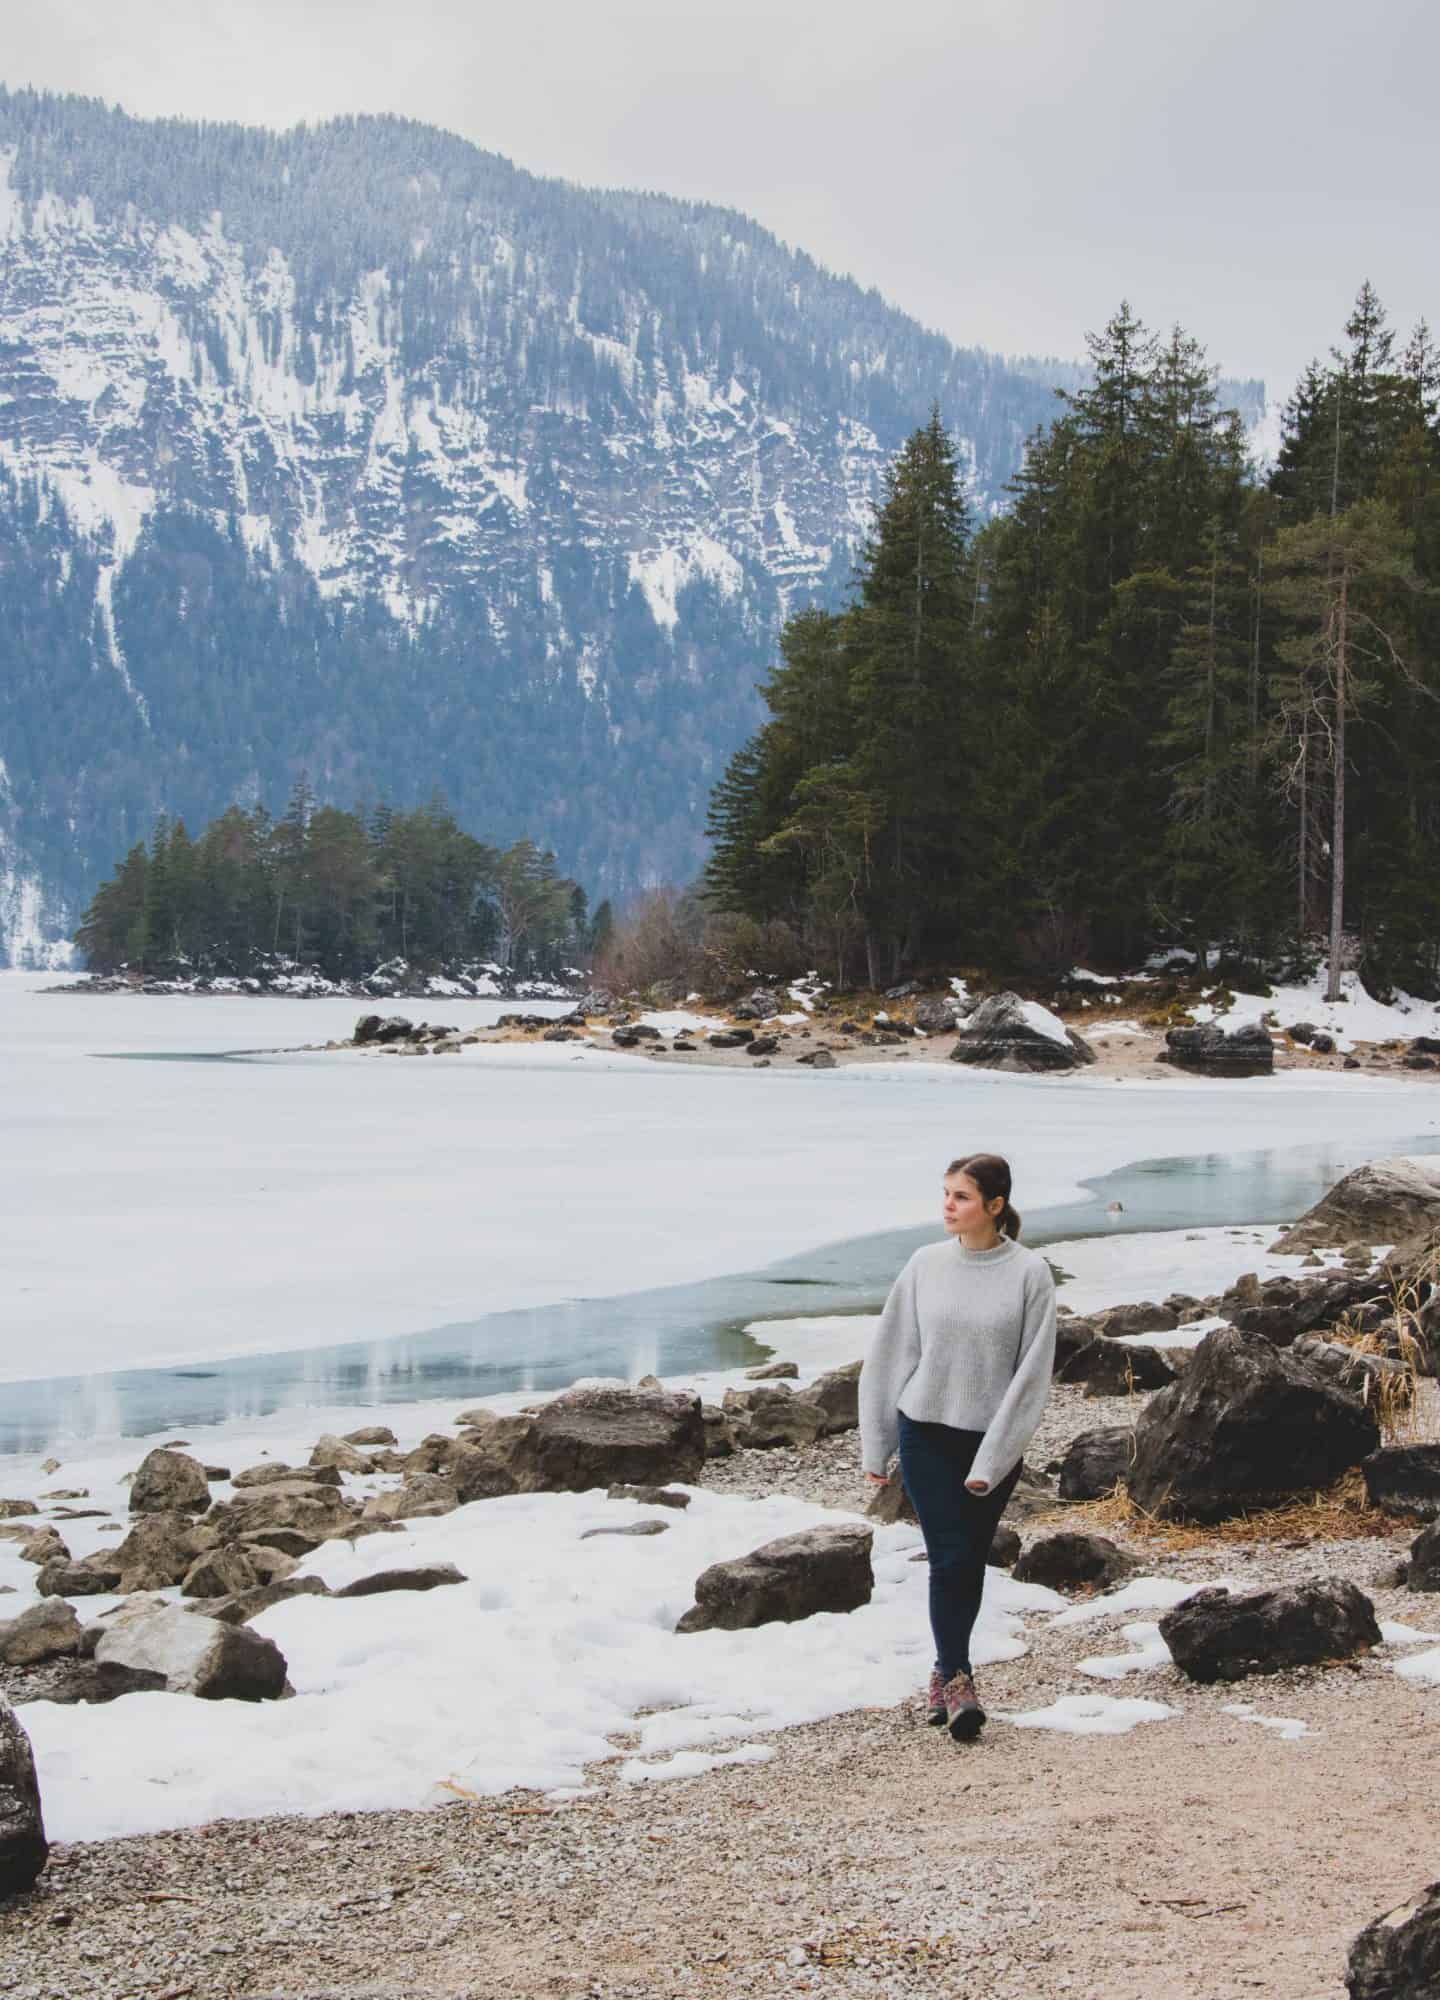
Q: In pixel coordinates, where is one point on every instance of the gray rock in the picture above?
(891, 1503)
(78, 1579)
(11, 1510)
(158, 1550)
(997, 1035)
(819, 1569)
(369, 1434)
(1145, 1316)
(1423, 1570)
(314, 1512)
(1214, 1636)
(631, 1528)
(650, 1496)
(424, 1496)
(249, 1604)
(200, 1656)
(772, 1414)
(1385, 1201)
(44, 1631)
(936, 1017)
(1284, 1308)
(23, 1846)
(285, 1475)
(1364, 1375)
(1112, 1368)
(425, 1576)
(1397, 1955)
(1210, 1051)
(337, 1452)
(818, 1059)
(1068, 1561)
(1247, 1425)
(1005, 1549)
(224, 1572)
(39, 1545)
(1405, 1479)
(838, 1394)
(606, 1437)
(720, 1438)
(169, 1482)
(1096, 1463)
(773, 1371)
(761, 1005)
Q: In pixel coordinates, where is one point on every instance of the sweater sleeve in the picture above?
(893, 1357)
(1013, 1424)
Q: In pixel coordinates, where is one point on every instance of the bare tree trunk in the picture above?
(1337, 828)
(872, 961)
(1303, 878)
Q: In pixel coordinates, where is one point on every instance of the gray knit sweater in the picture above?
(967, 1338)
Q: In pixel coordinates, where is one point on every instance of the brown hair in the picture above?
(991, 1175)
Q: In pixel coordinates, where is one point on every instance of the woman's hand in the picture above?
(878, 1478)
(977, 1485)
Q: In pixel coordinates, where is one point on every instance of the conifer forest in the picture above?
(1161, 702)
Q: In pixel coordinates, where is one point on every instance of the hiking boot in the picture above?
(936, 1713)
(964, 1716)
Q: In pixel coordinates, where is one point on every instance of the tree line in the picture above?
(1162, 701)
(343, 891)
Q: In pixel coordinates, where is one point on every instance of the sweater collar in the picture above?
(1001, 1254)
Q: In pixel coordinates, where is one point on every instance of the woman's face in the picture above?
(963, 1206)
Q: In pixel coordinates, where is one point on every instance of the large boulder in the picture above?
(1246, 1425)
(612, 1436)
(93, 1576)
(1140, 1316)
(1069, 1562)
(772, 1414)
(1405, 1479)
(1210, 1051)
(1096, 1462)
(1385, 1201)
(838, 1395)
(337, 1452)
(1006, 1032)
(819, 1569)
(43, 1631)
(23, 1846)
(423, 1496)
(935, 1016)
(169, 1482)
(199, 1656)
(1214, 1636)
(1397, 1955)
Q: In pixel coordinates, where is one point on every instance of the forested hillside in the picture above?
(356, 451)
(1160, 702)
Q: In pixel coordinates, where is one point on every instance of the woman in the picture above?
(957, 1375)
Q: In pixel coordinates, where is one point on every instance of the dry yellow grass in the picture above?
(1340, 1513)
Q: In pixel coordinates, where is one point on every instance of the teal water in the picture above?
(677, 1329)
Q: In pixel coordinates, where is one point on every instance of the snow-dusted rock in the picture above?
(1006, 1032)
(198, 1656)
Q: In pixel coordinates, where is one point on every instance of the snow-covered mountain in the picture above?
(358, 452)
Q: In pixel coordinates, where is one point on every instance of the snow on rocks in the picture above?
(198, 1656)
(1007, 1033)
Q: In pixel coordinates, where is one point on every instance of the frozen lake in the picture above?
(514, 1216)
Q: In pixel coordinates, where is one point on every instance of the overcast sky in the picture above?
(1006, 170)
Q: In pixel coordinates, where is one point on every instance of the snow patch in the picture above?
(1092, 1715)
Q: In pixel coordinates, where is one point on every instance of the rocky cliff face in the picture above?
(360, 453)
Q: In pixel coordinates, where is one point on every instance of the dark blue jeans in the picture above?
(958, 1528)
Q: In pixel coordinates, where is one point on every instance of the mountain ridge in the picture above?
(383, 459)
